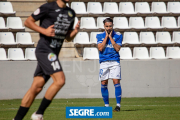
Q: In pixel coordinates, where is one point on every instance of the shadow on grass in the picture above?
(136, 109)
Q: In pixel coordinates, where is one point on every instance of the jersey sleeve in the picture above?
(40, 12)
(119, 40)
(72, 24)
(99, 39)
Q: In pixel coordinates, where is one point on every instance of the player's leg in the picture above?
(58, 83)
(27, 100)
(115, 74)
(104, 92)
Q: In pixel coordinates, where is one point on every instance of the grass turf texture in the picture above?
(160, 108)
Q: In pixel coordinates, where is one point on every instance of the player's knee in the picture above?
(60, 82)
(104, 82)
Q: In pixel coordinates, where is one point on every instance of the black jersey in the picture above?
(63, 21)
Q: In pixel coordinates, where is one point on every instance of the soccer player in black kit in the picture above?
(56, 24)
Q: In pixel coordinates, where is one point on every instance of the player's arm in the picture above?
(115, 45)
(102, 45)
(30, 23)
(72, 33)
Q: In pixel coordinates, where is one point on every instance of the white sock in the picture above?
(118, 105)
(106, 105)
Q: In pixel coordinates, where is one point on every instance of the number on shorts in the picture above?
(55, 65)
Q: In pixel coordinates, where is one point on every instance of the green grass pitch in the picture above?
(160, 108)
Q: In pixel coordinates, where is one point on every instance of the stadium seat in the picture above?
(93, 37)
(88, 23)
(125, 53)
(147, 38)
(67, 4)
(2, 24)
(152, 22)
(79, 7)
(100, 23)
(6, 8)
(126, 8)
(94, 7)
(173, 7)
(30, 54)
(158, 7)
(75, 22)
(120, 23)
(176, 37)
(130, 38)
(3, 54)
(136, 22)
(140, 53)
(169, 22)
(24, 38)
(179, 21)
(163, 38)
(157, 53)
(7, 38)
(142, 7)
(90, 53)
(110, 7)
(14, 23)
(15, 54)
(82, 38)
(173, 52)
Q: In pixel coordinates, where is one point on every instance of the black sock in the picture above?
(44, 104)
(21, 113)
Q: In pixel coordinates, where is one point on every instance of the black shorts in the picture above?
(48, 63)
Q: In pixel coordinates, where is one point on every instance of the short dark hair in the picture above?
(107, 20)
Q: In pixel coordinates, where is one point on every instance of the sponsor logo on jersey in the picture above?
(109, 46)
(52, 57)
(37, 12)
(70, 14)
(57, 10)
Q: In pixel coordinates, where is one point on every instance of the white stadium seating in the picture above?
(142, 7)
(176, 37)
(79, 7)
(82, 38)
(126, 8)
(173, 7)
(94, 7)
(88, 23)
(6, 8)
(24, 38)
(15, 54)
(169, 22)
(90, 53)
(173, 52)
(163, 38)
(2, 24)
(125, 53)
(14, 23)
(110, 7)
(147, 38)
(7, 38)
(93, 38)
(152, 22)
(158, 7)
(120, 23)
(157, 53)
(100, 23)
(136, 22)
(140, 53)
(130, 38)
(30, 54)
(3, 54)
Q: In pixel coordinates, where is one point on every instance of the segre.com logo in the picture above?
(88, 112)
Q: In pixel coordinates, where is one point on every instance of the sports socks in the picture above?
(118, 94)
(21, 113)
(44, 104)
(105, 94)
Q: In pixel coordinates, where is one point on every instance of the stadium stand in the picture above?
(140, 53)
(90, 53)
(3, 54)
(157, 53)
(125, 53)
(15, 54)
(173, 52)
(30, 54)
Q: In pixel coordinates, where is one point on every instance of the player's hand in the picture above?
(77, 26)
(50, 31)
(110, 35)
(107, 35)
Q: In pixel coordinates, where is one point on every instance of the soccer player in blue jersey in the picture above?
(109, 43)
